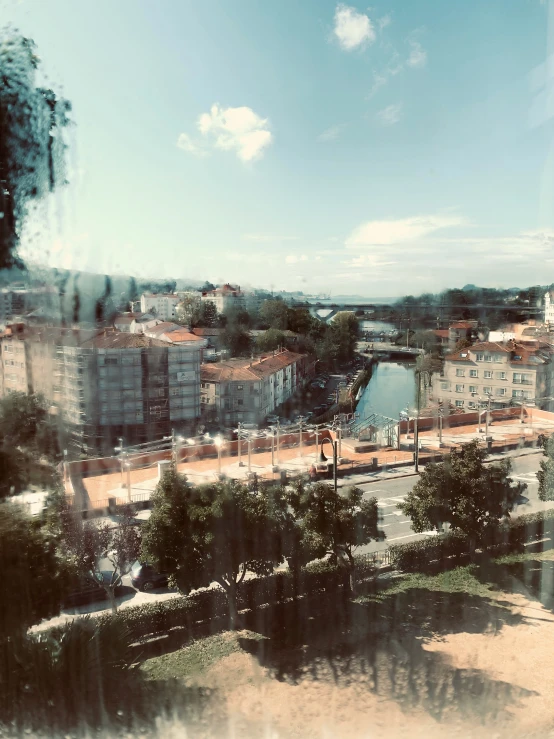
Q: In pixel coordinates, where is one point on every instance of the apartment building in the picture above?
(507, 373)
(163, 305)
(248, 390)
(16, 366)
(225, 298)
(548, 309)
(108, 384)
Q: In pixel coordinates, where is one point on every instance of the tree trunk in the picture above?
(231, 592)
(351, 573)
(111, 596)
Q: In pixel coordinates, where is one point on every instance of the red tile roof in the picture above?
(462, 324)
(233, 370)
(207, 331)
(442, 333)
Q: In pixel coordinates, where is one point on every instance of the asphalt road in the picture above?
(397, 527)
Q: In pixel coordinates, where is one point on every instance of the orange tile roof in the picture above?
(248, 369)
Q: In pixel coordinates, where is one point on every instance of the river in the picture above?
(390, 390)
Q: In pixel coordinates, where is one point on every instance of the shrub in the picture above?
(434, 553)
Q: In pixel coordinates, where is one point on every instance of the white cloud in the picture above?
(352, 29)
(331, 134)
(230, 129)
(373, 261)
(294, 259)
(185, 143)
(384, 22)
(400, 231)
(418, 55)
(381, 78)
(390, 115)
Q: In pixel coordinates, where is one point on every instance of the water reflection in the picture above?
(390, 390)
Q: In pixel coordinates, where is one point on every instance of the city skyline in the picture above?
(323, 148)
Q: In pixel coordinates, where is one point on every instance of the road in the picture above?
(397, 528)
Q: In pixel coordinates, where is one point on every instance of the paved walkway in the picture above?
(143, 481)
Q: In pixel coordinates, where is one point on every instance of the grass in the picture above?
(196, 657)
(459, 580)
(509, 559)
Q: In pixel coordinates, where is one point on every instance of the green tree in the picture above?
(274, 314)
(213, 533)
(236, 340)
(463, 493)
(32, 119)
(34, 580)
(269, 340)
(25, 422)
(334, 524)
(105, 552)
(299, 320)
(545, 475)
(344, 331)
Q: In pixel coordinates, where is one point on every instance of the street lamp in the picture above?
(218, 442)
(239, 437)
(128, 468)
(335, 456)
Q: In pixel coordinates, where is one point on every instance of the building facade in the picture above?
(548, 309)
(507, 373)
(225, 298)
(162, 305)
(247, 391)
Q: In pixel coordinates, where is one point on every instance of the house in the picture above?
(213, 336)
(248, 390)
(442, 336)
(507, 373)
(548, 309)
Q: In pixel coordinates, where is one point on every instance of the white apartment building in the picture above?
(548, 309)
(161, 304)
(506, 373)
(225, 297)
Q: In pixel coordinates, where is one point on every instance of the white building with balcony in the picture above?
(508, 373)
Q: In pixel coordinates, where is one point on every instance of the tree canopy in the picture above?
(545, 475)
(213, 533)
(464, 493)
(34, 579)
(332, 523)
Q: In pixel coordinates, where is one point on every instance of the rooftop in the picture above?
(248, 369)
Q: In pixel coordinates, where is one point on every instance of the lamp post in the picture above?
(278, 445)
(487, 411)
(218, 441)
(335, 455)
(440, 425)
(300, 422)
(239, 436)
(128, 468)
(271, 434)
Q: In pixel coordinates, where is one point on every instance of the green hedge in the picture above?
(209, 605)
(449, 550)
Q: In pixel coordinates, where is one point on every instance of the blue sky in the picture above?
(380, 150)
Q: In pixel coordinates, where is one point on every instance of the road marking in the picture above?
(397, 538)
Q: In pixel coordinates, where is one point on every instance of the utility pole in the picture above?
(487, 411)
(416, 423)
(239, 438)
(335, 460)
(440, 425)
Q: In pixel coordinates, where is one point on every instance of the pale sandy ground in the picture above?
(508, 678)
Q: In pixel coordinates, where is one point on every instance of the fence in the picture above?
(377, 559)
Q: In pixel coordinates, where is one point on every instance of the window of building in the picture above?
(459, 388)
(460, 373)
(240, 402)
(473, 373)
(487, 390)
(444, 386)
(488, 357)
(459, 404)
(487, 374)
(240, 387)
(517, 393)
(471, 404)
(111, 360)
(480, 357)
(501, 391)
(473, 388)
(501, 375)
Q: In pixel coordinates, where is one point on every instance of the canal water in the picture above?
(391, 389)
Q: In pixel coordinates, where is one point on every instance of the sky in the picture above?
(378, 150)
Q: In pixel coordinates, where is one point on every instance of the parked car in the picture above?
(87, 590)
(144, 577)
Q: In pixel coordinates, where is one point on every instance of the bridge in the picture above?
(384, 349)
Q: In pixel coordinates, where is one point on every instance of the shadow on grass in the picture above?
(378, 646)
(531, 577)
